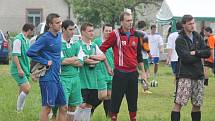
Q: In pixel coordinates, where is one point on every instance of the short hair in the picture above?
(208, 29)
(141, 24)
(186, 18)
(121, 17)
(85, 25)
(50, 17)
(153, 26)
(27, 27)
(67, 23)
(179, 25)
(103, 27)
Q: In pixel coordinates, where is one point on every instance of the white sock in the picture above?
(71, 115)
(155, 76)
(86, 114)
(21, 101)
(78, 114)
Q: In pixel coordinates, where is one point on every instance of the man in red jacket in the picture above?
(126, 47)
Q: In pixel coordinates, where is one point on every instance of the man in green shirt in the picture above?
(105, 71)
(20, 65)
(71, 61)
(89, 84)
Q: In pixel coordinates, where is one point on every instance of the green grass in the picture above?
(152, 107)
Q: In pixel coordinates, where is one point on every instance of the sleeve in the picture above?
(184, 52)
(98, 51)
(62, 55)
(160, 40)
(110, 42)
(16, 48)
(204, 50)
(211, 42)
(139, 54)
(170, 42)
(81, 54)
(34, 51)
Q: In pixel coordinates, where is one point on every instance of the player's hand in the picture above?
(192, 52)
(167, 61)
(143, 76)
(49, 63)
(110, 72)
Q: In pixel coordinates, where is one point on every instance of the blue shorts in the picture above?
(155, 60)
(52, 94)
(174, 65)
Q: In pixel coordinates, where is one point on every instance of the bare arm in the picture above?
(110, 71)
(169, 56)
(143, 74)
(16, 61)
(90, 61)
(100, 57)
(72, 61)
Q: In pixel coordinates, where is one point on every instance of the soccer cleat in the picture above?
(147, 92)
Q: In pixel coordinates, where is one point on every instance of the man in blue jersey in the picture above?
(47, 51)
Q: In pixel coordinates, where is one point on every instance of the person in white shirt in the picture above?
(156, 47)
(172, 57)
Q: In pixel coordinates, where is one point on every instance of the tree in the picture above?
(104, 11)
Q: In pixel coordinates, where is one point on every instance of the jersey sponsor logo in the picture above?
(123, 43)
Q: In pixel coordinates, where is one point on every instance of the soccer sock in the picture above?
(86, 114)
(78, 114)
(155, 76)
(21, 101)
(71, 115)
(175, 116)
(113, 116)
(106, 106)
(132, 116)
(206, 82)
(196, 116)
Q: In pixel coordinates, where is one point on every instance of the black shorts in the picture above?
(90, 96)
(208, 64)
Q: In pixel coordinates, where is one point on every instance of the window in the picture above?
(34, 16)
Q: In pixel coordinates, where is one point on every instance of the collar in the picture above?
(123, 33)
(23, 36)
(84, 43)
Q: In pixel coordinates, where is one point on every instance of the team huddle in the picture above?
(75, 76)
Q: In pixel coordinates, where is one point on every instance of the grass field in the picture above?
(151, 107)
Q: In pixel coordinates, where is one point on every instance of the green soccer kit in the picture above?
(70, 74)
(104, 79)
(20, 46)
(88, 74)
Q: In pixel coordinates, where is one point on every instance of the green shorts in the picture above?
(20, 80)
(72, 90)
(146, 64)
(104, 84)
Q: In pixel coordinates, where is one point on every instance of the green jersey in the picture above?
(88, 74)
(102, 72)
(69, 50)
(20, 46)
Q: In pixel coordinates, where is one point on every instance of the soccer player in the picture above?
(125, 43)
(20, 65)
(105, 72)
(89, 87)
(156, 47)
(47, 51)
